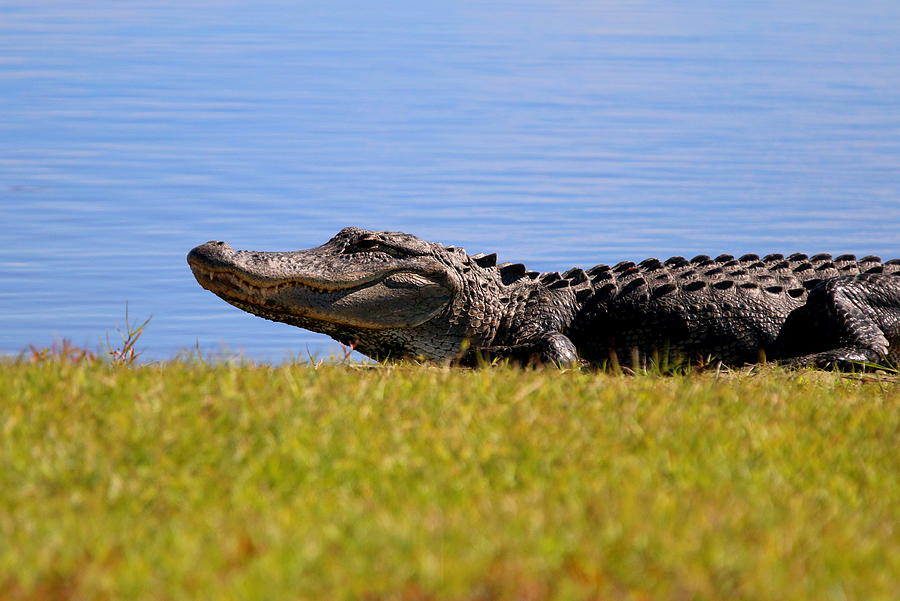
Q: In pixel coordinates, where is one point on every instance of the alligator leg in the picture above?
(855, 318)
(549, 348)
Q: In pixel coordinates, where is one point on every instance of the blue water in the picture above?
(555, 133)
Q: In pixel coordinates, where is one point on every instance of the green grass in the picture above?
(195, 481)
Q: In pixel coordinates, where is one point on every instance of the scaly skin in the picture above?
(392, 295)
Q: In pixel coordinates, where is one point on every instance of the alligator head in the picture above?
(387, 294)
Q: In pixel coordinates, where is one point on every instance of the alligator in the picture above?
(391, 295)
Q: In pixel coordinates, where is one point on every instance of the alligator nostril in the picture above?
(213, 250)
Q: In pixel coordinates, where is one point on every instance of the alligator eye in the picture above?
(371, 245)
(367, 244)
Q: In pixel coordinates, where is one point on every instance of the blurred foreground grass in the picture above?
(195, 481)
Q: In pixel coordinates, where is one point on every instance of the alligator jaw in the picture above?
(234, 285)
(245, 287)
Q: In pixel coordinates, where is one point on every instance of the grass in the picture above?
(189, 480)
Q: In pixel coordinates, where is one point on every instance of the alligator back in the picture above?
(735, 306)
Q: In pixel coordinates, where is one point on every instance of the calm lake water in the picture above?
(554, 133)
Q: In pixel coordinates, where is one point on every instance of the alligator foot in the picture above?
(551, 348)
(844, 359)
(855, 319)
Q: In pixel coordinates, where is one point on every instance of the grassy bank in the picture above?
(191, 481)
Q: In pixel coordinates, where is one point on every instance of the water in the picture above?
(555, 133)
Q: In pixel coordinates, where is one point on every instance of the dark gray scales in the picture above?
(816, 310)
(392, 295)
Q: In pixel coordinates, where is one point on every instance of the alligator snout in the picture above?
(211, 253)
(213, 246)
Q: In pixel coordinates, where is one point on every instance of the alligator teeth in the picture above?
(238, 284)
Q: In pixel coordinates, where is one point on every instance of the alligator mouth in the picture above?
(230, 284)
(244, 287)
